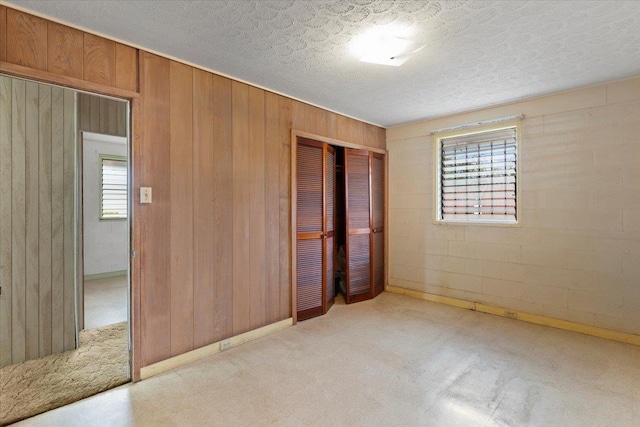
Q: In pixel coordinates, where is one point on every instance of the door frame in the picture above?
(133, 134)
(295, 133)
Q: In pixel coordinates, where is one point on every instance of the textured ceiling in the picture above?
(477, 53)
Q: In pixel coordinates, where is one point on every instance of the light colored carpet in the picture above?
(36, 386)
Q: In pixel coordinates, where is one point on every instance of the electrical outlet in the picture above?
(511, 314)
(225, 345)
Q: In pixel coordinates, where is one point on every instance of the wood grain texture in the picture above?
(31, 221)
(284, 127)
(26, 40)
(332, 125)
(181, 176)
(69, 200)
(126, 67)
(3, 33)
(18, 254)
(6, 356)
(222, 208)
(61, 80)
(44, 221)
(37, 143)
(203, 221)
(297, 114)
(257, 209)
(102, 115)
(155, 238)
(65, 50)
(272, 209)
(99, 60)
(241, 206)
(57, 220)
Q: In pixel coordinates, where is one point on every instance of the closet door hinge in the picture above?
(133, 254)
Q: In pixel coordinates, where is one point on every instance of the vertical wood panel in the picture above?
(284, 126)
(332, 125)
(32, 302)
(181, 173)
(272, 209)
(95, 116)
(155, 241)
(57, 220)
(126, 67)
(241, 205)
(69, 142)
(121, 120)
(99, 60)
(26, 40)
(5, 221)
(84, 111)
(310, 119)
(203, 196)
(356, 132)
(257, 207)
(342, 128)
(44, 200)
(222, 209)
(102, 115)
(297, 115)
(18, 262)
(65, 50)
(3, 36)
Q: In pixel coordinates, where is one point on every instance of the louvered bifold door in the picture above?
(315, 227)
(358, 208)
(309, 225)
(330, 199)
(377, 236)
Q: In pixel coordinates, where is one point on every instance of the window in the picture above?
(113, 187)
(476, 177)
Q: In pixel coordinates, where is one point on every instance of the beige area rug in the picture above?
(36, 386)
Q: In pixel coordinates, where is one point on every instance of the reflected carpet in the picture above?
(36, 386)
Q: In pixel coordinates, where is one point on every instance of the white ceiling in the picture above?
(477, 53)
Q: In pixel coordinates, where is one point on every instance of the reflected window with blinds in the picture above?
(113, 187)
(477, 177)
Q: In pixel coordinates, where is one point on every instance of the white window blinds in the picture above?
(113, 194)
(477, 177)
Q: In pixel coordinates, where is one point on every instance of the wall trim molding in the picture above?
(538, 319)
(108, 275)
(208, 350)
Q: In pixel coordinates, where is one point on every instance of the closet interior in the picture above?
(339, 225)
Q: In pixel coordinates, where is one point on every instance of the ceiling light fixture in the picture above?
(384, 45)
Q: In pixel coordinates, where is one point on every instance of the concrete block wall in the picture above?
(576, 253)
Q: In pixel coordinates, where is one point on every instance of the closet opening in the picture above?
(339, 224)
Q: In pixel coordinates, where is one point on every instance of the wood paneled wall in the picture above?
(43, 45)
(37, 199)
(325, 123)
(102, 115)
(216, 239)
(214, 246)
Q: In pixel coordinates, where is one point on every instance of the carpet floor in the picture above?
(39, 385)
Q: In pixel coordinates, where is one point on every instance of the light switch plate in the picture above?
(145, 194)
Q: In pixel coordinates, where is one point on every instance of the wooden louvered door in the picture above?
(377, 221)
(358, 224)
(330, 220)
(315, 181)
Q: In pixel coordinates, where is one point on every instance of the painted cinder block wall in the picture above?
(576, 254)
